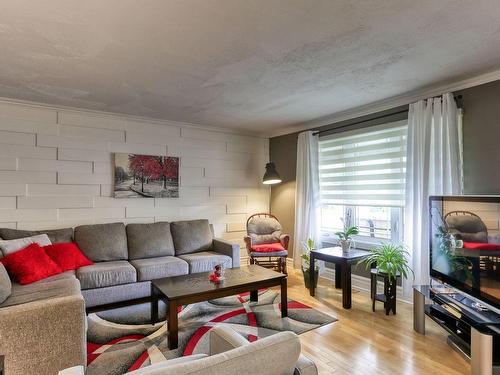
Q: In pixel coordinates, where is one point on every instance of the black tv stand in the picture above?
(474, 329)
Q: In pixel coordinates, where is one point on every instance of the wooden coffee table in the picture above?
(181, 290)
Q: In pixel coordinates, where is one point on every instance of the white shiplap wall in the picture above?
(56, 170)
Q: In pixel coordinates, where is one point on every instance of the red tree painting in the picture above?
(146, 176)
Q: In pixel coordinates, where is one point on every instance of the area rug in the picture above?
(121, 340)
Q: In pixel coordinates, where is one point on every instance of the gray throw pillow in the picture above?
(5, 284)
(11, 246)
(191, 236)
(102, 242)
(55, 235)
(149, 240)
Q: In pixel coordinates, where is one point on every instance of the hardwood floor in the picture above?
(366, 342)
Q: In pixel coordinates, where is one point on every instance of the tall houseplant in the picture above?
(345, 237)
(391, 259)
(308, 246)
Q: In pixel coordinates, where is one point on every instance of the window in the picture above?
(362, 182)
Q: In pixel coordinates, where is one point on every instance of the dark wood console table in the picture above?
(343, 262)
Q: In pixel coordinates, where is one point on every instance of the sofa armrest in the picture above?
(76, 370)
(227, 248)
(223, 339)
(158, 367)
(305, 366)
(43, 337)
(285, 239)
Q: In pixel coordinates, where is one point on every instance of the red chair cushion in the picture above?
(67, 255)
(268, 248)
(30, 264)
(481, 246)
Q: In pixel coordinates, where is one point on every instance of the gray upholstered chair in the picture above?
(466, 226)
(266, 243)
(469, 227)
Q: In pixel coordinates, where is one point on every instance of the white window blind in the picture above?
(365, 167)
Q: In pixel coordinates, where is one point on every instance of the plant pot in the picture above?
(345, 245)
(306, 275)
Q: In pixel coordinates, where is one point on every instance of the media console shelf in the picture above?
(474, 330)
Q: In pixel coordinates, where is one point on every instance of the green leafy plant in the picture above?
(347, 233)
(458, 263)
(391, 259)
(308, 246)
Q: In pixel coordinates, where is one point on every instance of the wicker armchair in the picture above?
(266, 244)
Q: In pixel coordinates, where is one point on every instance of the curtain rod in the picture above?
(457, 99)
(359, 122)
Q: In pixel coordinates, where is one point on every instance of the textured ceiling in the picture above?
(251, 64)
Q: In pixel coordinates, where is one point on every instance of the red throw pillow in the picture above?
(481, 246)
(30, 264)
(268, 248)
(67, 255)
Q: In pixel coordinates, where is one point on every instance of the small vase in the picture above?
(345, 245)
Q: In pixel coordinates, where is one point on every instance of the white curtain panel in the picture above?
(433, 167)
(307, 200)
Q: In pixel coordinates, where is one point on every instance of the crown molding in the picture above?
(392, 102)
(125, 117)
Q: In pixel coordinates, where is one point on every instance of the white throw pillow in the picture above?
(11, 246)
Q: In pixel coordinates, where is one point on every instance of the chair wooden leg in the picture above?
(283, 260)
(252, 261)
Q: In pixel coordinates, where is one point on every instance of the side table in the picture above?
(389, 295)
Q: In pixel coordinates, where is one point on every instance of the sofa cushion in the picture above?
(205, 261)
(116, 293)
(30, 264)
(60, 276)
(55, 235)
(149, 240)
(103, 274)
(42, 290)
(191, 236)
(11, 246)
(68, 256)
(156, 268)
(5, 284)
(102, 242)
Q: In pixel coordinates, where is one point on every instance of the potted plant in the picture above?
(308, 246)
(345, 238)
(391, 259)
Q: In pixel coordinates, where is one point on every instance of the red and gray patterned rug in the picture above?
(121, 340)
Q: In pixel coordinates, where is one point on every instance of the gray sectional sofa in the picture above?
(42, 325)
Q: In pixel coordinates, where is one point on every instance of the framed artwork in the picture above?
(146, 176)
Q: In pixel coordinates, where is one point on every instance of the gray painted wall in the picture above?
(482, 138)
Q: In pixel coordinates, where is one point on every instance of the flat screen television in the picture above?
(465, 244)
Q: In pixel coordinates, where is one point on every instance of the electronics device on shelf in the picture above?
(464, 238)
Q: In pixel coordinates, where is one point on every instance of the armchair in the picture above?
(266, 243)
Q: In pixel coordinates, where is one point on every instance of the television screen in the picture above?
(465, 244)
